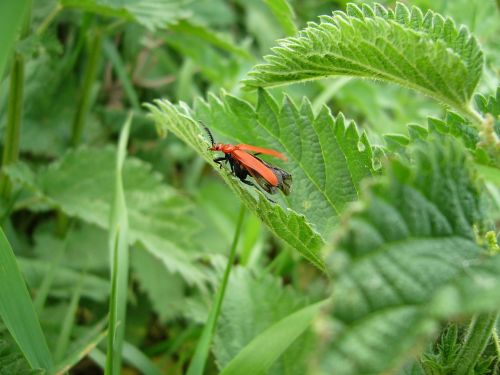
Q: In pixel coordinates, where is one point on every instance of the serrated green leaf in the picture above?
(81, 185)
(427, 53)
(152, 14)
(412, 236)
(490, 105)
(167, 297)
(327, 158)
(253, 304)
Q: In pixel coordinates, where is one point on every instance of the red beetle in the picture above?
(242, 163)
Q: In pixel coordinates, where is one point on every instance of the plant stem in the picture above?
(197, 365)
(14, 113)
(14, 116)
(86, 93)
(477, 337)
(473, 115)
(47, 20)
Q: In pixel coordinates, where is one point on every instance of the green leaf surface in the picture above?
(411, 238)
(253, 305)
(84, 247)
(17, 311)
(473, 291)
(152, 14)
(168, 296)
(327, 158)
(427, 53)
(81, 184)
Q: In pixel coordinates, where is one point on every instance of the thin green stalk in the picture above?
(69, 321)
(478, 336)
(14, 112)
(48, 20)
(197, 365)
(86, 92)
(14, 117)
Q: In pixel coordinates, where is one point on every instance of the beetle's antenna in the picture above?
(208, 132)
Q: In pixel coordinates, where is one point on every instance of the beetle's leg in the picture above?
(250, 183)
(220, 160)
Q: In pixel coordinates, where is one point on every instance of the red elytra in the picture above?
(242, 163)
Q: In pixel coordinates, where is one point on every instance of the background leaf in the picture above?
(152, 14)
(81, 185)
(427, 53)
(412, 237)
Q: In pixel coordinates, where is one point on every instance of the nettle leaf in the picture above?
(81, 184)
(491, 105)
(168, 296)
(152, 14)
(427, 53)
(410, 239)
(453, 124)
(327, 158)
(253, 303)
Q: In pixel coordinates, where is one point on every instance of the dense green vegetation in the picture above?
(125, 249)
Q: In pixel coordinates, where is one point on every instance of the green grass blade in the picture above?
(139, 360)
(260, 354)
(17, 310)
(12, 14)
(69, 321)
(197, 365)
(82, 348)
(118, 244)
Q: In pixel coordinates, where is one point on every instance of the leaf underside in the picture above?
(411, 240)
(427, 53)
